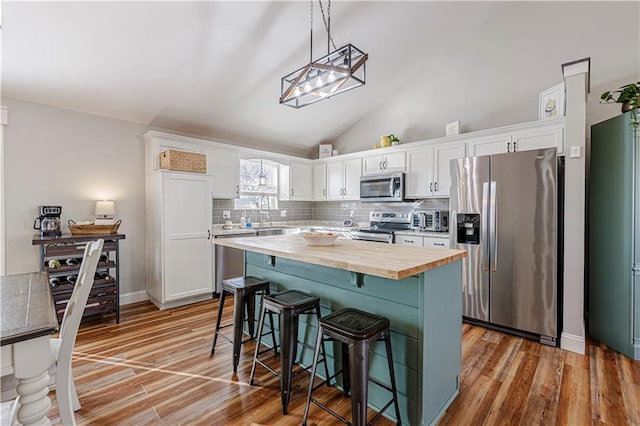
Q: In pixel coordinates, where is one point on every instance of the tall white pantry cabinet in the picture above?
(179, 249)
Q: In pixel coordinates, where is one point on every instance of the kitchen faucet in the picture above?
(262, 198)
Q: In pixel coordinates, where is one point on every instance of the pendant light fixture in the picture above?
(262, 179)
(337, 72)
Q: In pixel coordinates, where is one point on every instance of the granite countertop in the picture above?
(218, 229)
(365, 257)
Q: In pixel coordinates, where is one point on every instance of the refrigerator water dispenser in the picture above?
(468, 228)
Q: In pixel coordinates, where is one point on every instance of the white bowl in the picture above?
(319, 239)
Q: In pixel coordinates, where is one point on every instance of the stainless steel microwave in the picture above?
(386, 187)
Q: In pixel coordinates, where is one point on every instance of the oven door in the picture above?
(380, 237)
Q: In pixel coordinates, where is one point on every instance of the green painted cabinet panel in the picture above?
(613, 235)
(425, 312)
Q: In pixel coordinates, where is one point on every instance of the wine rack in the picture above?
(61, 257)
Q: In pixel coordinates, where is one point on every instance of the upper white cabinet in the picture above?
(179, 249)
(296, 182)
(224, 168)
(384, 163)
(319, 181)
(428, 171)
(343, 179)
(538, 135)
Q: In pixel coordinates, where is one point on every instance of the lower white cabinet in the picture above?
(421, 241)
(179, 249)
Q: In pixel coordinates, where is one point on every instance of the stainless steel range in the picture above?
(382, 226)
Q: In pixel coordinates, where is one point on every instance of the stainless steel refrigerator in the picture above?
(504, 212)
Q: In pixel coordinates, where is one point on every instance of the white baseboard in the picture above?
(133, 297)
(573, 343)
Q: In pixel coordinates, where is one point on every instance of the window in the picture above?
(251, 193)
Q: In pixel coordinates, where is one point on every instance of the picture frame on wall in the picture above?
(551, 102)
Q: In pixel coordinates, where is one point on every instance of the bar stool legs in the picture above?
(356, 330)
(289, 305)
(244, 290)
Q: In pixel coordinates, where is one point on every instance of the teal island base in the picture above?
(425, 311)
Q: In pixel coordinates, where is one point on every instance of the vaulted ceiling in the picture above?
(214, 68)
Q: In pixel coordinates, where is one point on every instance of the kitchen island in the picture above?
(418, 289)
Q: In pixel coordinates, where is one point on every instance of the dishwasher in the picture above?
(229, 261)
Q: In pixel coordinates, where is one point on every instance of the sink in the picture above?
(277, 231)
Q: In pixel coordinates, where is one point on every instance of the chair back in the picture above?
(78, 301)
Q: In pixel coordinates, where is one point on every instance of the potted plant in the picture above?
(628, 96)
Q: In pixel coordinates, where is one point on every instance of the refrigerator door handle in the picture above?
(493, 224)
(484, 226)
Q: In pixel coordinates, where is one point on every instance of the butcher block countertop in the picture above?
(371, 258)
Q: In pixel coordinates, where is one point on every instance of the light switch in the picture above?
(575, 152)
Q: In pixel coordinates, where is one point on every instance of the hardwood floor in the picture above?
(155, 368)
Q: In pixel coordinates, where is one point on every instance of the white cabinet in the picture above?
(435, 242)
(343, 179)
(224, 168)
(179, 249)
(539, 135)
(296, 182)
(384, 163)
(319, 181)
(406, 240)
(421, 241)
(428, 171)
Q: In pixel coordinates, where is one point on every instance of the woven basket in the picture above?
(93, 229)
(183, 161)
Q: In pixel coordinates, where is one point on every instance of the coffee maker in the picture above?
(48, 223)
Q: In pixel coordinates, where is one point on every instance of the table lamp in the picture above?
(104, 212)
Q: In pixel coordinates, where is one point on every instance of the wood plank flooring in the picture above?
(155, 368)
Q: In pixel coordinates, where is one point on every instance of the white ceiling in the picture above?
(214, 68)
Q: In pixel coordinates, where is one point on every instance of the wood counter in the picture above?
(366, 257)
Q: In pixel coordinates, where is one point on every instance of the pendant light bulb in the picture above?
(331, 78)
(307, 87)
(319, 82)
(297, 91)
(262, 179)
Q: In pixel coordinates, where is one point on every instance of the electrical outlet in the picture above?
(283, 213)
(226, 214)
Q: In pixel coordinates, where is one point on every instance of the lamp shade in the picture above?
(105, 208)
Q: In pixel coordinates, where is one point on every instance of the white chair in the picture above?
(61, 348)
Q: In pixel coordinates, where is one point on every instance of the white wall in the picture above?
(524, 40)
(58, 157)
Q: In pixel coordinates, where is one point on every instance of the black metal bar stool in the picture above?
(288, 305)
(243, 290)
(356, 330)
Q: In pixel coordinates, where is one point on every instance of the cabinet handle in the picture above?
(409, 241)
(384, 164)
(438, 244)
(292, 192)
(380, 165)
(324, 192)
(431, 187)
(514, 146)
(237, 189)
(209, 234)
(435, 187)
(508, 146)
